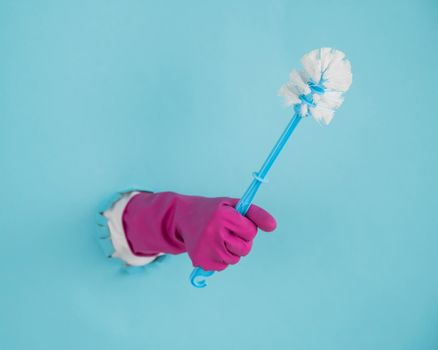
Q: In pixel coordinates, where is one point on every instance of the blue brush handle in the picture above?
(198, 275)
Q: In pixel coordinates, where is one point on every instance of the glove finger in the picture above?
(214, 266)
(240, 225)
(261, 218)
(237, 246)
(227, 256)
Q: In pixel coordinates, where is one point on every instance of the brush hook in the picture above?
(198, 276)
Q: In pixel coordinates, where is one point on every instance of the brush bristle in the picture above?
(318, 89)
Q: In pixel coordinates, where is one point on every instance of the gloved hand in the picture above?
(210, 230)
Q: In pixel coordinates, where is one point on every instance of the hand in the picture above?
(224, 235)
(210, 230)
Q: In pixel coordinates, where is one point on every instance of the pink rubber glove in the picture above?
(210, 230)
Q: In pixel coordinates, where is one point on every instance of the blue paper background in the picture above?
(96, 96)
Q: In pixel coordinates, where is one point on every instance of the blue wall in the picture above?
(96, 96)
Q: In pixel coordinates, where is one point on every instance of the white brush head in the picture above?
(318, 88)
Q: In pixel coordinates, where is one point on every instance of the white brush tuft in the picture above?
(318, 89)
